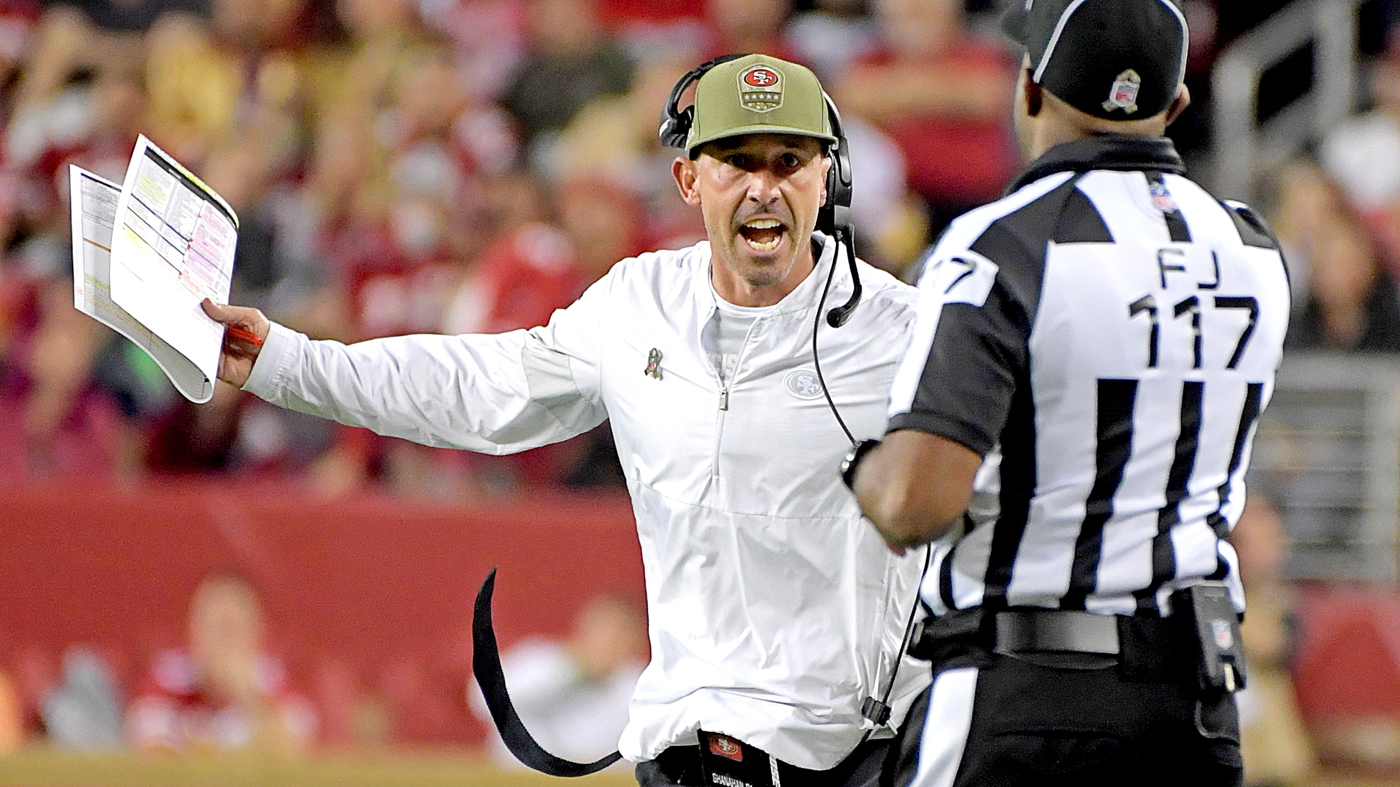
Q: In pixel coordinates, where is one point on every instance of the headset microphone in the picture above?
(840, 314)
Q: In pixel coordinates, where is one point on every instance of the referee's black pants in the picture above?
(998, 720)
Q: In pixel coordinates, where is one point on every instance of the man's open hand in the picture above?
(240, 349)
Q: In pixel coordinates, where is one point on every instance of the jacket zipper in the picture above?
(724, 398)
(719, 422)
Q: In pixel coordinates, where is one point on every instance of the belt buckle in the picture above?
(1056, 631)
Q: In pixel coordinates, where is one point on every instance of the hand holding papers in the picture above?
(147, 254)
(246, 330)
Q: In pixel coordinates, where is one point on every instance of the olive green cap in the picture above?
(758, 94)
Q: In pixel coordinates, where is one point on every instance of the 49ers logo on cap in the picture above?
(760, 77)
(761, 89)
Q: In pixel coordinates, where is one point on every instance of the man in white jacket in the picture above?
(776, 616)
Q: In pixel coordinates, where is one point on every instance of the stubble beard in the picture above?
(759, 275)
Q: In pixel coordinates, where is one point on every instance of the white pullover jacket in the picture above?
(774, 608)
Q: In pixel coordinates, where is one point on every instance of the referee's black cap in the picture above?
(1113, 59)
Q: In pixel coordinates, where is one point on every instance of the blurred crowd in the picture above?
(1337, 213)
(472, 165)
(429, 165)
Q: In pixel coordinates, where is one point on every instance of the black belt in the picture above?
(681, 764)
(1056, 631)
(1155, 647)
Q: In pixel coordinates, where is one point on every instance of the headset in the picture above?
(834, 217)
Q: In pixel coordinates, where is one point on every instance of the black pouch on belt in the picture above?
(1219, 652)
(727, 762)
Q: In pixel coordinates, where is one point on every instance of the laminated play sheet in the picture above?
(147, 253)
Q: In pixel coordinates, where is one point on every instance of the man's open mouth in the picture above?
(762, 234)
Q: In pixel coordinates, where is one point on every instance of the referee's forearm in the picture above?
(915, 486)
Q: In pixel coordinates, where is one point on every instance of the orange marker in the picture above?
(247, 336)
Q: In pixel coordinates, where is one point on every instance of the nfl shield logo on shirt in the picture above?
(1224, 639)
(1123, 95)
(1161, 198)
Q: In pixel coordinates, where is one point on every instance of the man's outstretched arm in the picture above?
(491, 393)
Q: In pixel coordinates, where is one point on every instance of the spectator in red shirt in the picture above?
(938, 92)
(742, 26)
(649, 29)
(517, 283)
(222, 691)
(536, 268)
(613, 144)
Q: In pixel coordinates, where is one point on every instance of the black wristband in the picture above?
(852, 461)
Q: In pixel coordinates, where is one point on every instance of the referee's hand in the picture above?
(245, 331)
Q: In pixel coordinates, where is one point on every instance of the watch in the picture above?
(852, 461)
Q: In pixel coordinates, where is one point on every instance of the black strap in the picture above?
(486, 665)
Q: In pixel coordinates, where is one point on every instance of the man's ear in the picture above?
(1179, 104)
(827, 164)
(1032, 94)
(685, 173)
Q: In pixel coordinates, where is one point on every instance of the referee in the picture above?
(1072, 423)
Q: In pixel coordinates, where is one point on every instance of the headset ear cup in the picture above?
(836, 211)
(841, 192)
(684, 120)
(838, 180)
(675, 127)
(826, 215)
(676, 122)
(668, 128)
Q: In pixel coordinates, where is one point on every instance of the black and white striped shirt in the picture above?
(1105, 336)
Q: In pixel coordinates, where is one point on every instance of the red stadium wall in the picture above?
(366, 596)
(369, 597)
(1348, 663)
